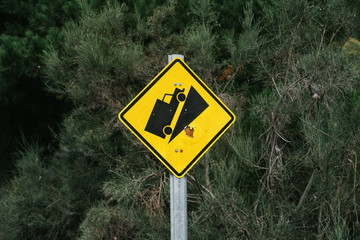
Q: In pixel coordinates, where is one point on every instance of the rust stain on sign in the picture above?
(189, 131)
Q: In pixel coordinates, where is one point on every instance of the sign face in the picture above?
(177, 117)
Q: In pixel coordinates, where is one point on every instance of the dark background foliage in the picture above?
(287, 168)
(27, 110)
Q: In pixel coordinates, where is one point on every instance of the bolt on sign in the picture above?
(177, 117)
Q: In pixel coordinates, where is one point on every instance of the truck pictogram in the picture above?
(163, 113)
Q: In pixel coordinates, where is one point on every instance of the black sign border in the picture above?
(147, 88)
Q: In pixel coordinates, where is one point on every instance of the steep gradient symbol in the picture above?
(193, 107)
(163, 113)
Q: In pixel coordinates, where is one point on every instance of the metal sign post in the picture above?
(178, 207)
(178, 198)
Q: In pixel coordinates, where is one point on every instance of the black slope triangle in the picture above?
(193, 107)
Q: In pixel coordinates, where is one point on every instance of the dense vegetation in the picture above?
(287, 168)
(27, 110)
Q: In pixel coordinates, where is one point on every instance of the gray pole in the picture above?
(178, 197)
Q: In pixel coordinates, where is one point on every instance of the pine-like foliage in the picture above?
(26, 108)
(49, 196)
(287, 169)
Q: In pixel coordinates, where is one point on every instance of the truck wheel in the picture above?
(167, 130)
(181, 97)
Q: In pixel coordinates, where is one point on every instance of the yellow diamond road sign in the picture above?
(177, 117)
